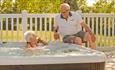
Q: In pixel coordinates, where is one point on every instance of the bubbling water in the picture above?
(53, 48)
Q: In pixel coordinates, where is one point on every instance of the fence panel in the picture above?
(12, 27)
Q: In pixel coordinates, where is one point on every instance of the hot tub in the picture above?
(56, 56)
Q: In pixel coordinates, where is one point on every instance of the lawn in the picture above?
(14, 35)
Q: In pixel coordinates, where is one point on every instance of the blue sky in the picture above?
(90, 2)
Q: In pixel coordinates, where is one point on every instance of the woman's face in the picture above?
(33, 39)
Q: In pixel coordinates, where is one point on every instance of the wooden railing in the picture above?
(12, 27)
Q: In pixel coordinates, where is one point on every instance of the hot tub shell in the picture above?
(91, 61)
(52, 63)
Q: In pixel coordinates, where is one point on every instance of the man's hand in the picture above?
(93, 38)
(56, 36)
(87, 29)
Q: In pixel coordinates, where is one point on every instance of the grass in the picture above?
(8, 36)
(19, 36)
(108, 41)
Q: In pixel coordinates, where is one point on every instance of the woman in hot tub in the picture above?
(32, 39)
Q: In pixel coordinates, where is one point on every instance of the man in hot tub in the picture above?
(69, 25)
(32, 39)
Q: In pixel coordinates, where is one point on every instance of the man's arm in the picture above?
(84, 25)
(56, 29)
(56, 34)
(88, 29)
(41, 41)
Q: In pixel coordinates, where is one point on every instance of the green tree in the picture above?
(6, 6)
(104, 7)
(38, 6)
(82, 4)
(72, 3)
(52, 6)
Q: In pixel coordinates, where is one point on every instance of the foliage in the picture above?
(52, 6)
(6, 6)
(83, 5)
(104, 7)
(38, 6)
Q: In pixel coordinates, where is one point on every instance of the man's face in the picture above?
(65, 12)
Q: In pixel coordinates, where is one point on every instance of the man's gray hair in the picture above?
(65, 5)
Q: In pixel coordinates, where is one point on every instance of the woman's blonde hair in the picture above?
(28, 35)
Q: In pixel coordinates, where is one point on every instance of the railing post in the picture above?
(79, 11)
(24, 21)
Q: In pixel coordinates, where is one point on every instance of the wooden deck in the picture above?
(110, 63)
